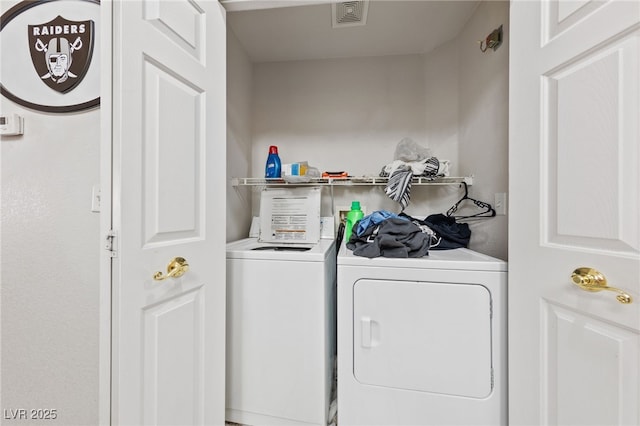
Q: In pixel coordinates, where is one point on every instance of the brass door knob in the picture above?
(590, 279)
(176, 268)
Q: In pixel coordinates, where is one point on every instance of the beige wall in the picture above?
(484, 118)
(339, 114)
(50, 249)
(349, 114)
(239, 95)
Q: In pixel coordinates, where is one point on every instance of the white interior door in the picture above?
(169, 125)
(574, 186)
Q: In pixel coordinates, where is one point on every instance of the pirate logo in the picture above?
(61, 52)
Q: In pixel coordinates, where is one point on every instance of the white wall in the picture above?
(50, 248)
(50, 253)
(239, 92)
(484, 115)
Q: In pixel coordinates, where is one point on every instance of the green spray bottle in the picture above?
(354, 215)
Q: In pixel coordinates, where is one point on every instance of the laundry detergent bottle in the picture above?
(354, 215)
(274, 166)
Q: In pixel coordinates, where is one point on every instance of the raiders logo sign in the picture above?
(49, 61)
(61, 51)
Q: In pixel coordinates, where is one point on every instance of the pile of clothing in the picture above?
(386, 234)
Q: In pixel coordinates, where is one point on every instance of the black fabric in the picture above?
(432, 165)
(393, 237)
(452, 234)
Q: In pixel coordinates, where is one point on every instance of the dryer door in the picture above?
(423, 336)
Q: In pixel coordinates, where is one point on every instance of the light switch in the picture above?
(95, 198)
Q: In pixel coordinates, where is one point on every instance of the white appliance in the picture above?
(281, 331)
(422, 341)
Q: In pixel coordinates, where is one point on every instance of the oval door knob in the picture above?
(176, 268)
(590, 279)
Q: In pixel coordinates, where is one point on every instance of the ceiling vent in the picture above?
(349, 13)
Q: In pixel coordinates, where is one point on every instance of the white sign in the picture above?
(290, 215)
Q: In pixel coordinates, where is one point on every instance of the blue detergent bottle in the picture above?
(354, 215)
(274, 166)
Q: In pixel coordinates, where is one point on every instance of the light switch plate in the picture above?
(500, 203)
(95, 198)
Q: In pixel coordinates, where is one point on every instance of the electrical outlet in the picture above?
(500, 203)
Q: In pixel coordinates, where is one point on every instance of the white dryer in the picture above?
(422, 341)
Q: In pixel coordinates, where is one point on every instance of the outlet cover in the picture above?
(500, 203)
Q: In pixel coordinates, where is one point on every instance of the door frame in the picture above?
(109, 172)
(106, 211)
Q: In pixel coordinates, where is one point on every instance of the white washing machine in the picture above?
(422, 341)
(280, 332)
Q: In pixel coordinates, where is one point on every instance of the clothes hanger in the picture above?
(487, 212)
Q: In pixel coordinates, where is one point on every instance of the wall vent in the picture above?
(349, 13)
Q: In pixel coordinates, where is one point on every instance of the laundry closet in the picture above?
(342, 98)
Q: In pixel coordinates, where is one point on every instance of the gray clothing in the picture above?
(393, 237)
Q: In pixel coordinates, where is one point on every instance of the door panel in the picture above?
(574, 189)
(561, 15)
(182, 22)
(173, 359)
(590, 164)
(173, 141)
(169, 124)
(583, 354)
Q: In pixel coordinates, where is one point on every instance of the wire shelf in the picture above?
(349, 181)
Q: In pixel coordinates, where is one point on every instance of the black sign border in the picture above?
(4, 20)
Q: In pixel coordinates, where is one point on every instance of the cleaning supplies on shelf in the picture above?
(354, 215)
(273, 168)
(295, 169)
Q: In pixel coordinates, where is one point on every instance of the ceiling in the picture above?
(394, 27)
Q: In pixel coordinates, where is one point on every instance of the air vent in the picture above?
(349, 13)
